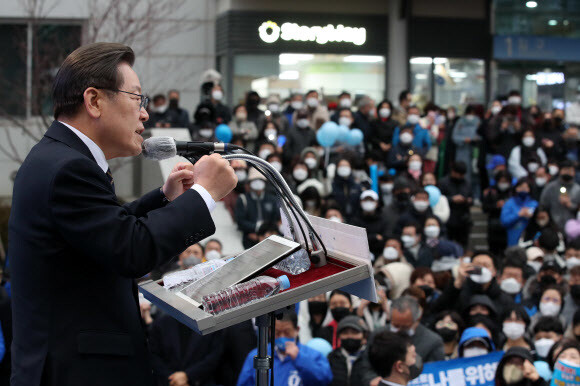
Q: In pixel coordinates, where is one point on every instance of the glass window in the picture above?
(421, 80)
(459, 82)
(13, 69)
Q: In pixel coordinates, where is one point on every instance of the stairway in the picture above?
(478, 237)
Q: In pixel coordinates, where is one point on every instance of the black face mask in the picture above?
(558, 121)
(457, 180)
(547, 280)
(428, 290)
(253, 103)
(575, 292)
(339, 313)
(174, 103)
(402, 197)
(566, 177)
(317, 308)
(351, 345)
(447, 334)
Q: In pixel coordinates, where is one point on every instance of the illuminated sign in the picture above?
(270, 32)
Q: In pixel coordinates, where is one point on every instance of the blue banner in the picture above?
(518, 47)
(565, 374)
(475, 371)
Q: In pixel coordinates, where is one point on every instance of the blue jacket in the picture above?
(309, 368)
(511, 221)
(421, 139)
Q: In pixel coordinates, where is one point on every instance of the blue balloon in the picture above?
(355, 137)
(223, 133)
(327, 135)
(434, 195)
(329, 125)
(343, 132)
(320, 345)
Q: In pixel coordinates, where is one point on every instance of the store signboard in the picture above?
(517, 47)
(269, 31)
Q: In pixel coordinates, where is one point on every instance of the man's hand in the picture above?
(179, 181)
(530, 371)
(216, 175)
(458, 199)
(375, 382)
(178, 378)
(292, 350)
(462, 274)
(565, 200)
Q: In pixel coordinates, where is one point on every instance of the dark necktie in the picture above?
(110, 177)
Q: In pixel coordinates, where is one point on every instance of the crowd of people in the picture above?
(439, 298)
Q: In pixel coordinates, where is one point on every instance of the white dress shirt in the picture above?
(102, 162)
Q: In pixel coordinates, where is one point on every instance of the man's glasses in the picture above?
(142, 104)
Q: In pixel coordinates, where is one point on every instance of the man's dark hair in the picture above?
(513, 263)
(339, 292)
(386, 349)
(566, 164)
(289, 316)
(159, 97)
(91, 65)
(485, 252)
(215, 241)
(549, 239)
(520, 311)
(547, 324)
(459, 167)
(403, 95)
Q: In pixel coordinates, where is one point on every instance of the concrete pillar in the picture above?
(397, 66)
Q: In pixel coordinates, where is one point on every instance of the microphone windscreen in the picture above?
(158, 148)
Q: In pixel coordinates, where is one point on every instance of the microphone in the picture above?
(160, 148)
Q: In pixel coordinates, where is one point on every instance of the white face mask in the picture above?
(484, 278)
(495, 110)
(503, 186)
(344, 121)
(432, 231)
(206, 133)
(549, 308)
(160, 109)
(510, 286)
(299, 174)
(368, 206)
(257, 185)
(406, 138)
(387, 188)
(271, 134)
(515, 100)
(274, 107)
(408, 241)
(345, 103)
(543, 346)
(536, 265)
(528, 141)
(296, 105)
(242, 175)
(415, 165)
(276, 165)
(212, 255)
(421, 206)
(310, 162)
(390, 253)
(303, 123)
(264, 153)
(533, 166)
(312, 102)
(553, 170)
(343, 171)
(470, 117)
(413, 119)
(410, 331)
(384, 112)
(217, 95)
(335, 219)
(541, 181)
(471, 352)
(572, 262)
(241, 116)
(514, 330)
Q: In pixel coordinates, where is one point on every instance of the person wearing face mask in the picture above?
(550, 304)
(372, 219)
(458, 191)
(392, 253)
(274, 114)
(176, 115)
(213, 249)
(352, 334)
(398, 156)
(393, 359)
(252, 102)
(512, 279)
(364, 115)
(255, 209)
(414, 168)
(475, 342)
(299, 137)
(292, 360)
(401, 203)
(504, 131)
(541, 179)
(310, 157)
(223, 112)
(420, 140)
(449, 326)
(517, 212)
(158, 116)
(547, 331)
(340, 306)
(515, 323)
(416, 252)
(243, 128)
(417, 212)
(549, 273)
(316, 112)
(516, 368)
(386, 186)
(466, 139)
(295, 103)
(310, 197)
(381, 131)
(344, 102)
(568, 145)
(345, 191)
(562, 195)
(540, 221)
(494, 199)
(528, 152)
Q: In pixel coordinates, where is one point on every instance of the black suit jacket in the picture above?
(74, 253)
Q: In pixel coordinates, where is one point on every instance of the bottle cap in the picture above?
(284, 282)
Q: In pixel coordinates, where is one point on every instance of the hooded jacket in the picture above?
(516, 352)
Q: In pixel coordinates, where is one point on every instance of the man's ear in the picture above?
(93, 100)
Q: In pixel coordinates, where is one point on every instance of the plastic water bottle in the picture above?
(244, 293)
(295, 264)
(187, 276)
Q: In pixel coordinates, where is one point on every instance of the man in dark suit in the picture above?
(74, 250)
